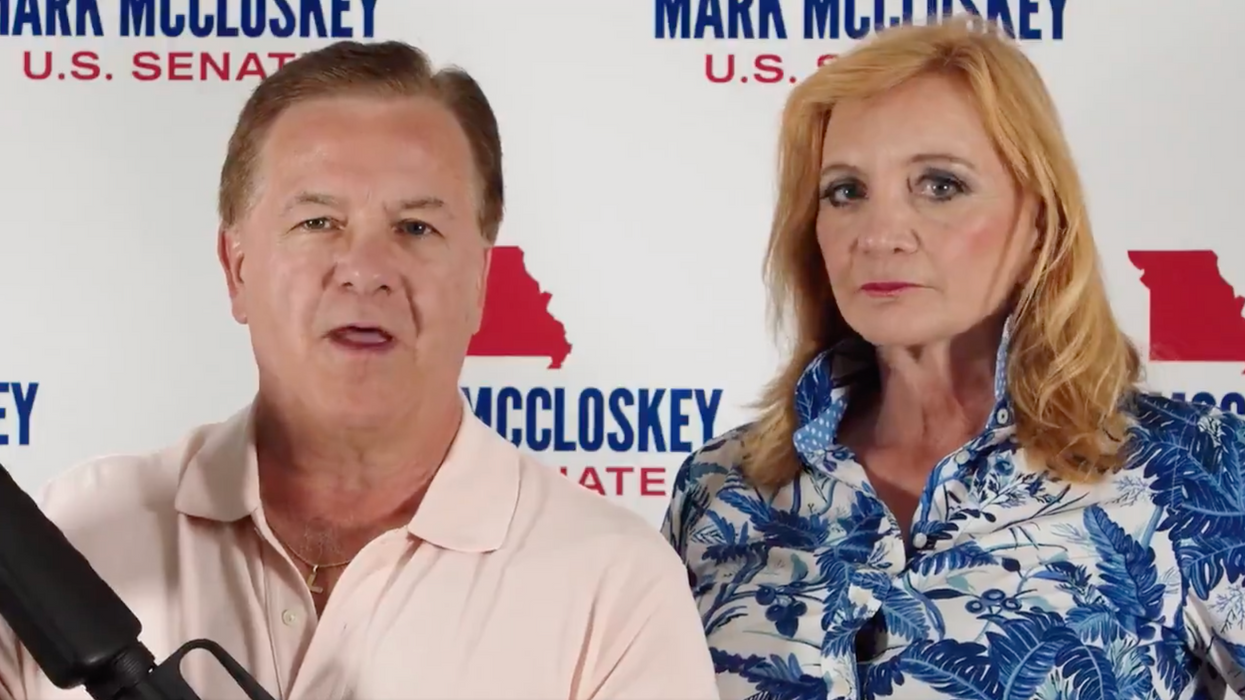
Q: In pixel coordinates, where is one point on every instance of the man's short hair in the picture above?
(384, 69)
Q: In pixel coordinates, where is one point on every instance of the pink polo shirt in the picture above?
(525, 585)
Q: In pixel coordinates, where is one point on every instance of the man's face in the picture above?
(360, 265)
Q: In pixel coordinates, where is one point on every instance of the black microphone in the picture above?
(76, 628)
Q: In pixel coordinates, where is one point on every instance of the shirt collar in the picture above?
(468, 507)
(823, 391)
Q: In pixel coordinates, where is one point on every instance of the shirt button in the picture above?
(961, 457)
(289, 617)
(919, 540)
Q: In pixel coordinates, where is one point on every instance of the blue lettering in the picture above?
(538, 439)
(200, 26)
(1231, 402)
(822, 17)
(835, 19)
(857, 26)
(622, 439)
(24, 18)
(289, 23)
(708, 412)
(1000, 11)
(1056, 24)
(508, 395)
(592, 420)
(560, 443)
(1204, 397)
(24, 402)
(254, 18)
(650, 419)
(744, 19)
(679, 420)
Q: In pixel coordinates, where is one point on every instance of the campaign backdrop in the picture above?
(628, 321)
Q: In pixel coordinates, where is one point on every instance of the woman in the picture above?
(956, 487)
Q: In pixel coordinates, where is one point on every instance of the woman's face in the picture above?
(924, 232)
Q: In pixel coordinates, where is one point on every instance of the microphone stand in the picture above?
(76, 628)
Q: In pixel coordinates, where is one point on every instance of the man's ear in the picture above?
(229, 252)
(482, 286)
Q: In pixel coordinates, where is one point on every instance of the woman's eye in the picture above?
(842, 193)
(941, 187)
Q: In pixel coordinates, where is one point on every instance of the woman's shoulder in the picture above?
(1175, 437)
(703, 475)
(713, 463)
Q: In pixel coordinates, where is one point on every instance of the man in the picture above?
(356, 532)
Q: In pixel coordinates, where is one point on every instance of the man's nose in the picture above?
(367, 264)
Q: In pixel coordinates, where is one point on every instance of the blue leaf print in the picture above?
(1024, 651)
(962, 556)
(1133, 673)
(1095, 623)
(862, 529)
(1090, 671)
(959, 669)
(813, 391)
(1131, 580)
(904, 614)
(1025, 587)
(1206, 562)
(773, 676)
(881, 678)
(1171, 659)
(1204, 497)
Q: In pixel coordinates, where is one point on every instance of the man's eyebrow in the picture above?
(310, 198)
(421, 203)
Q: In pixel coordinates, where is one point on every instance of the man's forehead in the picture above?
(329, 147)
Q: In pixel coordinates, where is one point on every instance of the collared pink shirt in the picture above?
(525, 585)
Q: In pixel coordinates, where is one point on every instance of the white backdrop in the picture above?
(638, 190)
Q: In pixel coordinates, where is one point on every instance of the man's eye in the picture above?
(321, 223)
(415, 228)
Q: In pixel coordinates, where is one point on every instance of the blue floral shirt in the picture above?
(1018, 585)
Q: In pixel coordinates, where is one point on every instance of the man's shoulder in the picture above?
(142, 480)
(566, 511)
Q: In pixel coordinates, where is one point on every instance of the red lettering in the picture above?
(47, 67)
(86, 65)
(618, 477)
(589, 479)
(652, 477)
(179, 70)
(146, 65)
(826, 59)
(768, 68)
(652, 480)
(282, 58)
(204, 66)
(209, 62)
(251, 67)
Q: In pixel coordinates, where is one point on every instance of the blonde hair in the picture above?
(1070, 367)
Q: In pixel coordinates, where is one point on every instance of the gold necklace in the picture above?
(315, 568)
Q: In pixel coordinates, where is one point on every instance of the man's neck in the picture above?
(313, 472)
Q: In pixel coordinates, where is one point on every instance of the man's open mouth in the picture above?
(361, 337)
